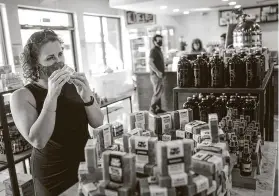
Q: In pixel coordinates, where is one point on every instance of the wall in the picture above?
(206, 28)
(79, 7)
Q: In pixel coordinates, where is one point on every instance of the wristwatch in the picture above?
(91, 102)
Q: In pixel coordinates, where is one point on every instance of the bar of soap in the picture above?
(175, 180)
(117, 129)
(154, 123)
(138, 120)
(104, 136)
(91, 153)
(180, 134)
(88, 188)
(206, 164)
(220, 147)
(213, 125)
(196, 126)
(206, 134)
(201, 182)
(174, 156)
(166, 123)
(119, 143)
(175, 119)
(185, 116)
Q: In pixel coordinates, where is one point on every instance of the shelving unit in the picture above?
(9, 160)
(266, 100)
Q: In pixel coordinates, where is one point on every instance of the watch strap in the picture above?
(91, 102)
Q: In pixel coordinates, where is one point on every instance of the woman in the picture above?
(197, 46)
(52, 114)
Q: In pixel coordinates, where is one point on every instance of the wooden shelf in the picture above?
(17, 158)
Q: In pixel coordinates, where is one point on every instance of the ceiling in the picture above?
(153, 6)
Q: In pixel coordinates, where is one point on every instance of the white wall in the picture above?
(206, 27)
(77, 7)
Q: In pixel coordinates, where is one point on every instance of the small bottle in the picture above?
(195, 108)
(206, 58)
(224, 96)
(252, 79)
(248, 109)
(241, 139)
(232, 109)
(219, 108)
(200, 72)
(236, 72)
(246, 162)
(230, 129)
(260, 64)
(204, 110)
(217, 71)
(184, 73)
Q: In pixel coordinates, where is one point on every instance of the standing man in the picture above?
(157, 72)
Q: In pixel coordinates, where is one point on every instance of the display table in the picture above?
(265, 181)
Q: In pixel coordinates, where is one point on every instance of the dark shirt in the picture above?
(157, 55)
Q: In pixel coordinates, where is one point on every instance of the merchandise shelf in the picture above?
(266, 100)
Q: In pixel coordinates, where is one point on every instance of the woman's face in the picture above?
(51, 57)
(196, 46)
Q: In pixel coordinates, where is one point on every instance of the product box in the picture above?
(104, 136)
(220, 147)
(154, 124)
(196, 126)
(181, 117)
(119, 168)
(25, 184)
(213, 126)
(206, 163)
(120, 144)
(91, 154)
(150, 190)
(117, 129)
(84, 174)
(166, 124)
(108, 188)
(138, 120)
(174, 157)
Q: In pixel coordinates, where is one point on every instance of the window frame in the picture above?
(71, 29)
(3, 40)
(103, 44)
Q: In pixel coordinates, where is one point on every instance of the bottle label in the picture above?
(215, 76)
(197, 77)
(249, 76)
(232, 77)
(246, 167)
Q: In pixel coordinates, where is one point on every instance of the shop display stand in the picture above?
(266, 100)
(9, 159)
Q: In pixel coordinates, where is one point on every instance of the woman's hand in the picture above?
(82, 86)
(56, 81)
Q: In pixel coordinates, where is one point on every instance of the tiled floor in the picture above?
(118, 112)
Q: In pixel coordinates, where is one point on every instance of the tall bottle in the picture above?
(219, 108)
(249, 109)
(184, 73)
(195, 109)
(260, 64)
(236, 72)
(217, 71)
(246, 162)
(232, 109)
(200, 72)
(206, 58)
(204, 110)
(252, 79)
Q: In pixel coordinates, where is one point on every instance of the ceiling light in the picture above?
(176, 10)
(201, 9)
(225, 0)
(237, 6)
(163, 7)
(186, 12)
(232, 3)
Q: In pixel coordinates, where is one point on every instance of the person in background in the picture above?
(222, 41)
(197, 46)
(52, 113)
(182, 43)
(157, 71)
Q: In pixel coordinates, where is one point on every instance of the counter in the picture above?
(145, 90)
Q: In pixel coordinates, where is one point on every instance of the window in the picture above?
(32, 20)
(3, 53)
(103, 43)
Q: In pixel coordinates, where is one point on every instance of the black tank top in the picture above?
(55, 166)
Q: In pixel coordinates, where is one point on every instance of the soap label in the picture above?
(202, 183)
(141, 146)
(179, 180)
(166, 122)
(175, 156)
(166, 137)
(111, 192)
(146, 133)
(140, 125)
(140, 117)
(183, 117)
(115, 169)
(158, 191)
(107, 137)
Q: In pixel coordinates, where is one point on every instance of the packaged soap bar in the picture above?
(138, 120)
(119, 143)
(175, 180)
(166, 122)
(195, 126)
(144, 148)
(220, 147)
(175, 119)
(201, 182)
(185, 116)
(91, 154)
(117, 129)
(225, 159)
(206, 134)
(104, 136)
(154, 123)
(174, 156)
(206, 164)
(110, 189)
(84, 174)
(180, 134)
(213, 126)
(89, 189)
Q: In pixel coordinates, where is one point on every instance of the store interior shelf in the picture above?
(17, 158)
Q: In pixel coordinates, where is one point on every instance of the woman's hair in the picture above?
(197, 41)
(29, 57)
